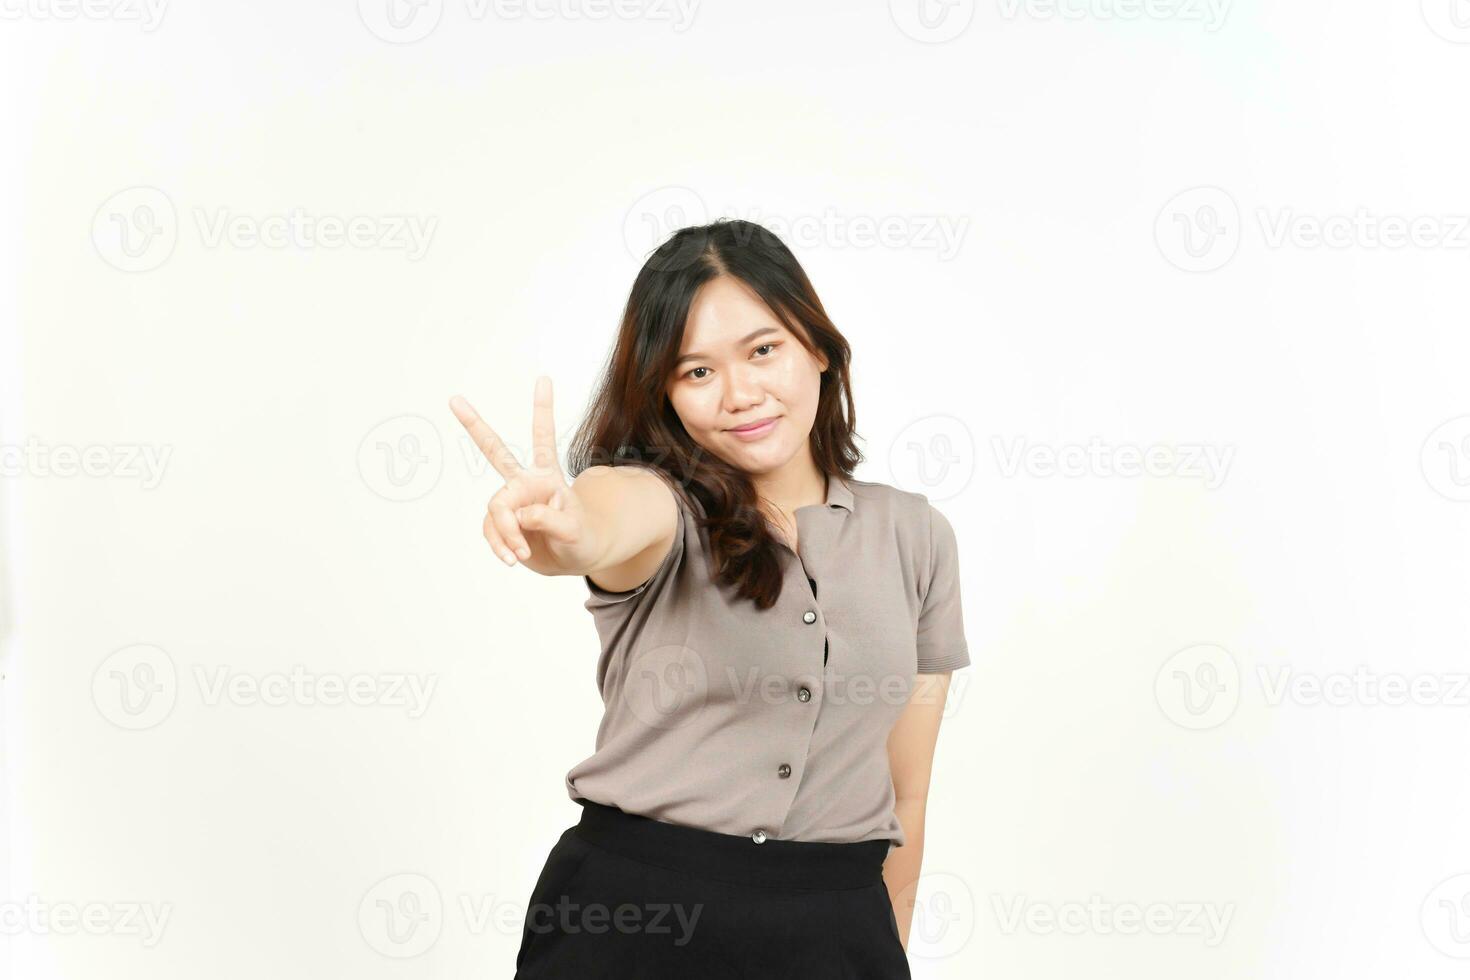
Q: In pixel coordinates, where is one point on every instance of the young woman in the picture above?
(776, 636)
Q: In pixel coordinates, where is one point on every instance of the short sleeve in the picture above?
(601, 597)
(941, 640)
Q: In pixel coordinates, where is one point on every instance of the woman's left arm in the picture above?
(910, 760)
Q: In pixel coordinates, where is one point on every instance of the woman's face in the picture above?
(739, 365)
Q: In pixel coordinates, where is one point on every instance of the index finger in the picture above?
(490, 444)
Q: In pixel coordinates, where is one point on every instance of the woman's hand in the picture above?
(536, 515)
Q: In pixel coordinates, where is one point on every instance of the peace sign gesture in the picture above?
(536, 515)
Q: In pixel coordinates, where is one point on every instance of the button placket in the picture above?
(814, 538)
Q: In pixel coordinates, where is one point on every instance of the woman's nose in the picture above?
(742, 393)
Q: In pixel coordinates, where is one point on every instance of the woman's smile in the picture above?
(756, 430)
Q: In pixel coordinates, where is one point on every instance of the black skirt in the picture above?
(625, 897)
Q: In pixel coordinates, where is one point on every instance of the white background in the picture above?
(1133, 191)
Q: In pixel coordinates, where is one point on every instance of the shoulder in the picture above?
(906, 509)
(919, 527)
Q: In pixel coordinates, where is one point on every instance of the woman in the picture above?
(776, 639)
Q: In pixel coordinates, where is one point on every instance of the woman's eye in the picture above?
(699, 377)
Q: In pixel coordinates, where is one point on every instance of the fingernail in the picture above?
(524, 553)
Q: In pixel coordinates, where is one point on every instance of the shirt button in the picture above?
(759, 836)
(783, 770)
(809, 617)
(803, 695)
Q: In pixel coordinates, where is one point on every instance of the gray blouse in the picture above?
(774, 724)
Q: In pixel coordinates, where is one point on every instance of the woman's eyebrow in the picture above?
(695, 355)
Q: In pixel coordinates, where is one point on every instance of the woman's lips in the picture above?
(757, 430)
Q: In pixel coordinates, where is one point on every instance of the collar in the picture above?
(838, 492)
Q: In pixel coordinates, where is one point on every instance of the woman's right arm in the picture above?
(614, 524)
(633, 516)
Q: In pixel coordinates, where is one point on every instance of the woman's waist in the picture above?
(758, 859)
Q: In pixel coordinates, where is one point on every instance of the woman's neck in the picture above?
(782, 492)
